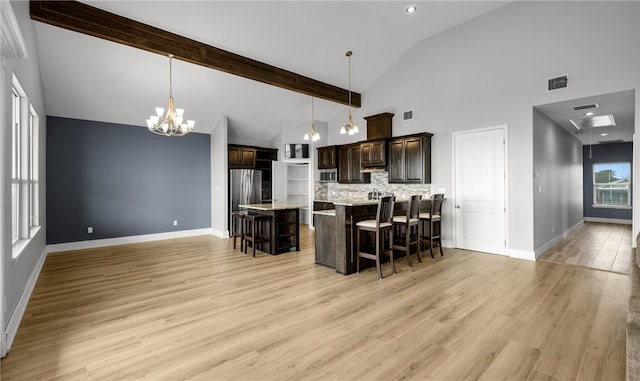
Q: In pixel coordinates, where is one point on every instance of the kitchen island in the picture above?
(336, 230)
(284, 227)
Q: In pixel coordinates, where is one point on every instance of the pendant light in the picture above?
(350, 128)
(170, 124)
(313, 134)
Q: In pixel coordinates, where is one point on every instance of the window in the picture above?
(611, 185)
(15, 166)
(34, 203)
(24, 169)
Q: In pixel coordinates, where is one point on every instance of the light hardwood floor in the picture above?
(595, 245)
(195, 309)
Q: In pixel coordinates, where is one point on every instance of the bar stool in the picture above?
(409, 224)
(380, 226)
(254, 231)
(430, 223)
(237, 227)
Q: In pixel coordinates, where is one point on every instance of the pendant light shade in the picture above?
(312, 134)
(349, 128)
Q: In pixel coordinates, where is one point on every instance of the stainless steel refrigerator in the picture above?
(245, 187)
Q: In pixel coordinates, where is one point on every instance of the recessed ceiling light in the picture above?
(589, 113)
(605, 134)
(411, 9)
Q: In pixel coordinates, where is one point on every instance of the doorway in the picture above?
(583, 175)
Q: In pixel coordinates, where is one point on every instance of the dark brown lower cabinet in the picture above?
(284, 229)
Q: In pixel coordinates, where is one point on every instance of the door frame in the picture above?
(505, 130)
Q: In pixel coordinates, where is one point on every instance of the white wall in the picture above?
(636, 155)
(492, 70)
(19, 274)
(219, 179)
(557, 184)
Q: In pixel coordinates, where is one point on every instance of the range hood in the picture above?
(379, 125)
(378, 131)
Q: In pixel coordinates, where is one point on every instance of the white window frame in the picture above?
(16, 112)
(34, 171)
(595, 187)
(24, 170)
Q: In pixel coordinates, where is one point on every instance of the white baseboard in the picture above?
(608, 220)
(542, 249)
(18, 313)
(58, 247)
(220, 233)
(522, 254)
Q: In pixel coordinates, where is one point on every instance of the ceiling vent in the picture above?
(557, 83)
(407, 115)
(611, 141)
(586, 107)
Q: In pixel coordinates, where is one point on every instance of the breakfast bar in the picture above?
(335, 230)
(283, 227)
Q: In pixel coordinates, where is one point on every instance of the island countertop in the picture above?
(272, 206)
(361, 202)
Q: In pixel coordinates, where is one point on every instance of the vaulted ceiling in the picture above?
(85, 77)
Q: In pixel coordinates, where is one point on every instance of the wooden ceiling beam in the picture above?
(83, 18)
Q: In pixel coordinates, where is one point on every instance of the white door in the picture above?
(480, 207)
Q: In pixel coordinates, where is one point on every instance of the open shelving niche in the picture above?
(299, 188)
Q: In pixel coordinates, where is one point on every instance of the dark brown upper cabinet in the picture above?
(328, 157)
(410, 159)
(350, 164)
(379, 125)
(245, 157)
(374, 153)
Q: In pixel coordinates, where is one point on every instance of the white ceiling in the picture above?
(88, 78)
(619, 104)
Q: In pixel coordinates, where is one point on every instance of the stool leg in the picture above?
(417, 228)
(241, 233)
(246, 242)
(393, 265)
(431, 237)
(357, 249)
(255, 234)
(378, 254)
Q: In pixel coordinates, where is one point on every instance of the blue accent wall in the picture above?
(604, 153)
(123, 181)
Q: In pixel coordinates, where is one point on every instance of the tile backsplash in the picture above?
(379, 181)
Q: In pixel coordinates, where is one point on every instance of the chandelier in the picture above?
(170, 124)
(313, 134)
(349, 128)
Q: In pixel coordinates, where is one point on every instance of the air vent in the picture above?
(557, 83)
(407, 115)
(611, 141)
(586, 107)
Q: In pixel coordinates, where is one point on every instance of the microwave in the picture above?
(328, 176)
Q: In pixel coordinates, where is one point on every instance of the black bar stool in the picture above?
(255, 230)
(408, 224)
(381, 226)
(237, 227)
(431, 223)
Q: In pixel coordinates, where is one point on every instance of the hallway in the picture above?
(595, 245)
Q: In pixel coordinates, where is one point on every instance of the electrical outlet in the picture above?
(175, 222)
(90, 230)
